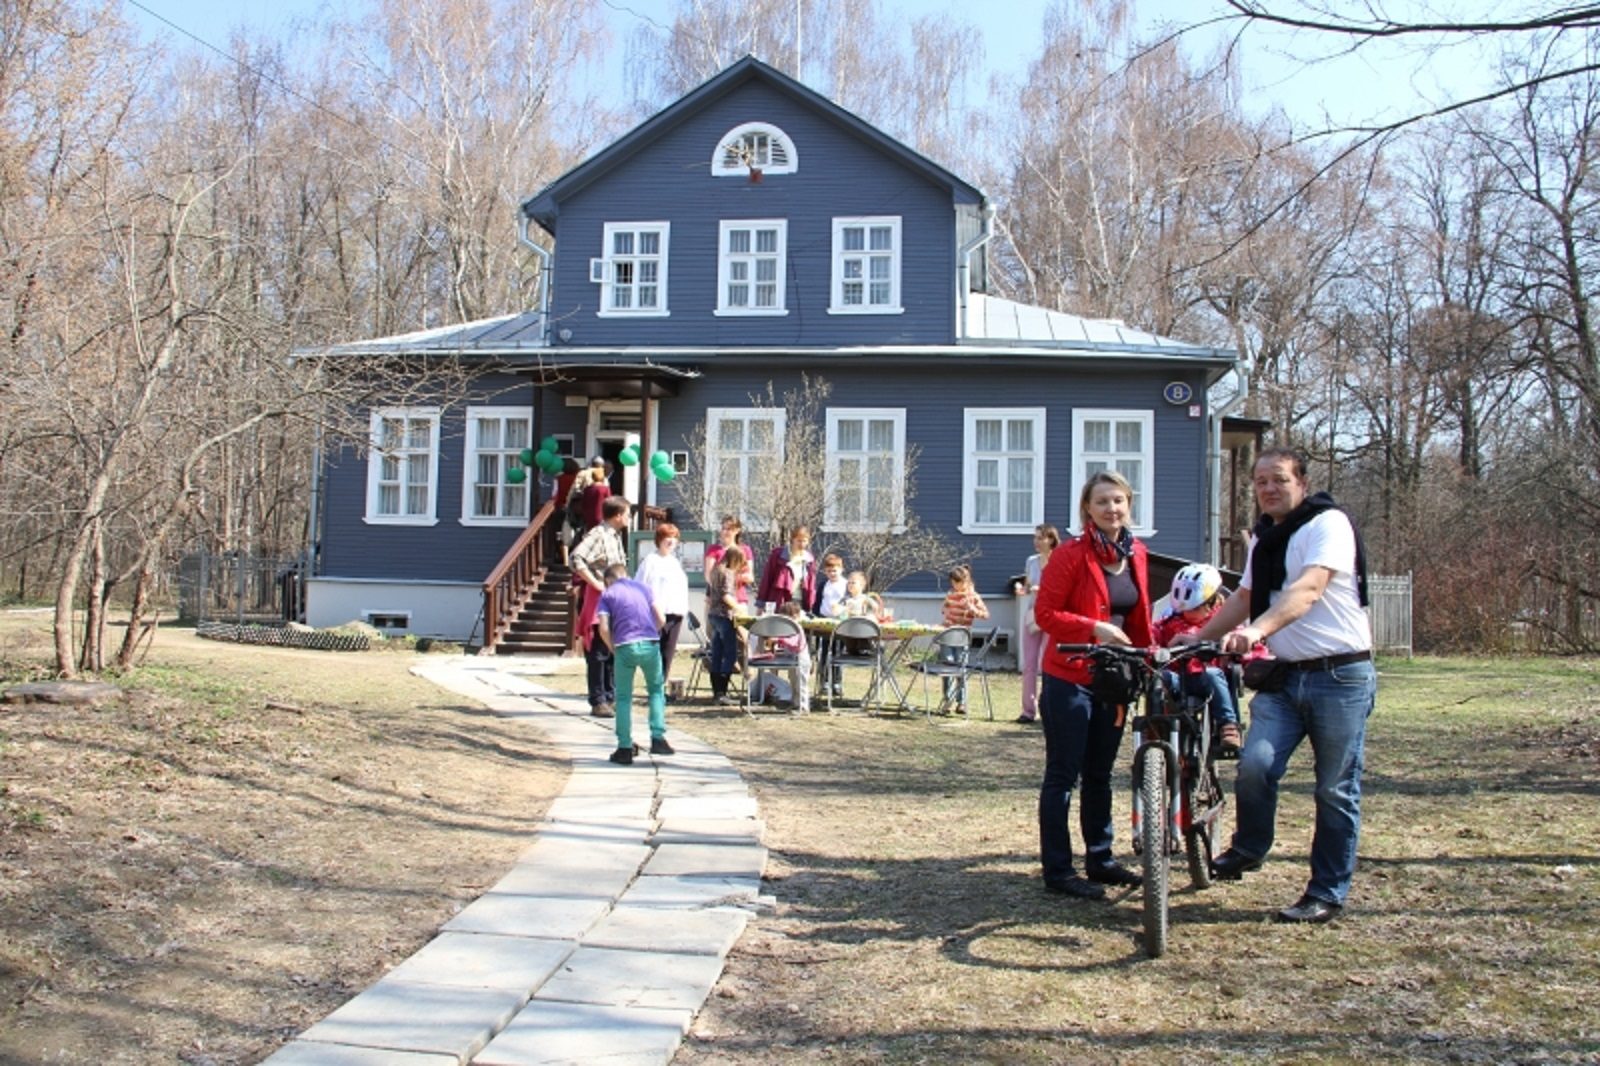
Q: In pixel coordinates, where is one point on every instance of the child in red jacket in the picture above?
(1197, 595)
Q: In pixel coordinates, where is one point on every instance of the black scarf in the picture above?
(1269, 559)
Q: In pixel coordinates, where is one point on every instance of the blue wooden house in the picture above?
(750, 233)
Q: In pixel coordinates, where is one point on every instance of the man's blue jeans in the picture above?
(646, 655)
(1330, 707)
(1081, 737)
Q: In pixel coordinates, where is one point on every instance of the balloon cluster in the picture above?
(660, 462)
(547, 459)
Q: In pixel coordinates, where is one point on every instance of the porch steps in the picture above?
(540, 627)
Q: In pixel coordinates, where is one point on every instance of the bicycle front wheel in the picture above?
(1154, 802)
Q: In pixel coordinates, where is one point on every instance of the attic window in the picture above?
(755, 147)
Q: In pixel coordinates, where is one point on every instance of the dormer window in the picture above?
(752, 149)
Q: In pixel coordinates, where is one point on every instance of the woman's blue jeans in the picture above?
(724, 646)
(1081, 736)
(1330, 707)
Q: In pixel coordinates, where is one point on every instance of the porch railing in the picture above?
(521, 568)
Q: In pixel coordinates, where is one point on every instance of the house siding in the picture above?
(935, 402)
(447, 550)
(839, 175)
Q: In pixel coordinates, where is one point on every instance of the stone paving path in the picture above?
(607, 935)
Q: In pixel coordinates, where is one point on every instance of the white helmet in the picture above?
(1194, 586)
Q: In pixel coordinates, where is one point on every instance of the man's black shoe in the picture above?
(1074, 886)
(1311, 911)
(1114, 873)
(1231, 866)
(659, 746)
(623, 756)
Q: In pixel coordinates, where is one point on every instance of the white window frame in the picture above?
(469, 469)
(727, 259)
(722, 166)
(715, 457)
(1144, 500)
(971, 416)
(376, 455)
(843, 257)
(832, 479)
(610, 261)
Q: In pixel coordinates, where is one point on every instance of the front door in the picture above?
(614, 425)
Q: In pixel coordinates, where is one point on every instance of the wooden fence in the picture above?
(1389, 610)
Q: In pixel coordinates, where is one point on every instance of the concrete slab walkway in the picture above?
(606, 936)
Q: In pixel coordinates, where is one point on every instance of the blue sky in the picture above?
(1376, 82)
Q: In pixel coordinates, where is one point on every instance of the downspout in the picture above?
(546, 259)
(1241, 377)
(964, 264)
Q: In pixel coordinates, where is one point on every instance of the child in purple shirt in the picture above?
(630, 624)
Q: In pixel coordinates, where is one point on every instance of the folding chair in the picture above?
(701, 656)
(856, 644)
(776, 627)
(978, 663)
(947, 658)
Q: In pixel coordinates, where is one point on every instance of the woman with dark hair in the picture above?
(1095, 589)
(790, 573)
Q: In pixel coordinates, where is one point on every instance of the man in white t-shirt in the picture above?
(1302, 593)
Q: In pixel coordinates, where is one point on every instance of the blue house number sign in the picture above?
(1177, 392)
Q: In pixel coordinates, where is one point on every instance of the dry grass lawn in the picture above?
(912, 927)
(200, 870)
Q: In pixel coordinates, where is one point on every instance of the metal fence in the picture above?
(1389, 608)
(239, 588)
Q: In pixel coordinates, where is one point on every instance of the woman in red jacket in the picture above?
(1095, 589)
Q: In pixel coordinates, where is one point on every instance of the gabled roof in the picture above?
(543, 206)
(993, 321)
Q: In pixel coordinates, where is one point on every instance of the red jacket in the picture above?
(1072, 598)
(777, 581)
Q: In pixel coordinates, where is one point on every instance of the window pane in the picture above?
(417, 470)
(1097, 436)
(738, 271)
(389, 468)
(849, 435)
(647, 296)
(649, 272)
(766, 240)
(766, 296)
(880, 268)
(1130, 436)
(988, 473)
(514, 502)
(986, 434)
(483, 502)
(854, 239)
(1133, 470)
(766, 269)
(417, 500)
(1091, 467)
(882, 238)
(649, 243)
(730, 435)
(519, 433)
(852, 268)
(419, 434)
(852, 293)
(761, 435)
(488, 433)
(986, 507)
(880, 292)
(624, 274)
(738, 295)
(622, 297)
(488, 469)
(738, 241)
(880, 435)
(622, 243)
(388, 499)
(390, 433)
(1019, 475)
(1019, 508)
(1019, 435)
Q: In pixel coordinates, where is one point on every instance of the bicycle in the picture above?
(1174, 767)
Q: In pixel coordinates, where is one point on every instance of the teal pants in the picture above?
(646, 655)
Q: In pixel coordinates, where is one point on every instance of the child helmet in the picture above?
(1194, 586)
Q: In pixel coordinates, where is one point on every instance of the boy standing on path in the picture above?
(630, 625)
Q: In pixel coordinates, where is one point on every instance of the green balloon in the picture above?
(628, 457)
(555, 466)
(526, 455)
(541, 459)
(663, 473)
(660, 459)
(550, 444)
(516, 475)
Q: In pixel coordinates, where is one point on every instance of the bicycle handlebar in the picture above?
(1205, 650)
